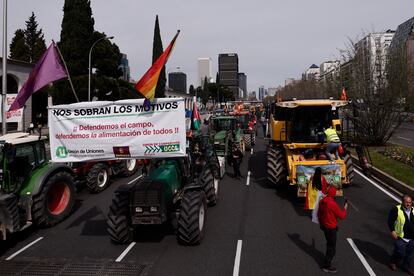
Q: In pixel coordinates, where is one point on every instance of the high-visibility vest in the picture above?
(331, 135)
(399, 223)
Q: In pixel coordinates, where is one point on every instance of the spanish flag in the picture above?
(147, 84)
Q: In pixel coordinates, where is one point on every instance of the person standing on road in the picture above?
(237, 157)
(401, 225)
(328, 214)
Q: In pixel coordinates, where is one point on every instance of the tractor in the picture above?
(297, 145)
(247, 123)
(96, 174)
(32, 190)
(176, 191)
(225, 131)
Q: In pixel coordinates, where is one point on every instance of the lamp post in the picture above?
(90, 69)
(4, 65)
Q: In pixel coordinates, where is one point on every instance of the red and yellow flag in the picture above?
(343, 95)
(147, 84)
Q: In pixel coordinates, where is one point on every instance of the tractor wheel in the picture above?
(129, 167)
(97, 178)
(56, 200)
(247, 141)
(276, 167)
(210, 186)
(119, 219)
(349, 168)
(192, 218)
(9, 216)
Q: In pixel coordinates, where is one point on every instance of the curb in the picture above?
(388, 179)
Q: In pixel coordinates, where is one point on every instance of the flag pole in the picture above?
(67, 71)
(4, 81)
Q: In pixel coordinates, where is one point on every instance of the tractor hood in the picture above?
(221, 135)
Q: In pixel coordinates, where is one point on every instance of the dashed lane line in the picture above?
(379, 187)
(248, 178)
(135, 179)
(361, 257)
(237, 258)
(23, 249)
(119, 259)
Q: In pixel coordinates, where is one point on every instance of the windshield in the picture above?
(224, 124)
(308, 122)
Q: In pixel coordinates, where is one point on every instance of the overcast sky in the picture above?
(275, 40)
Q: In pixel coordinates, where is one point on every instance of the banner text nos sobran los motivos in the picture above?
(122, 129)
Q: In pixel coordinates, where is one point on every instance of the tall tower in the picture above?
(229, 72)
(204, 70)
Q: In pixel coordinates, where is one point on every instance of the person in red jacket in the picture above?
(328, 214)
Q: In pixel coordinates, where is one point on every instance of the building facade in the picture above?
(204, 70)
(124, 66)
(229, 72)
(243, 85)
(262, 93)
(311, 73)
(177, 81)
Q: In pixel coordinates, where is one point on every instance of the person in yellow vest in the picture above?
(333, 141)
(401, 225)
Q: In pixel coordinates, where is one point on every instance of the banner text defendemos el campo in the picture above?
(115, 109)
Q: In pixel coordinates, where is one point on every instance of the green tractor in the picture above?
(176, 191)
(32, 190)
(225, 131)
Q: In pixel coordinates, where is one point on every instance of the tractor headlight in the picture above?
(138, 209)
(153, 209)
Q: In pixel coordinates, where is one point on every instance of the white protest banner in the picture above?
(14, 116)
(122, 129)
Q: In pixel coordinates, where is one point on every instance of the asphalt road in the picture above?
(404, 135)
(253, 230)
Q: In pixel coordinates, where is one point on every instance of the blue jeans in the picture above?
(332, 147)
(403, 251)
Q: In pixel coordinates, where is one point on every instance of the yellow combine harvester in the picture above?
(297, 145)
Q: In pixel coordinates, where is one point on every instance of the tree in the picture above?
(106, 57)
(34, 39)
(29, 44)
(157, 51)
(76, 35)
(18, 48)
(378, 106)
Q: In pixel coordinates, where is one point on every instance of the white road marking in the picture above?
(237, 258)
(361, 257)
(251, 151)
(23, 249)
(125, 252)
(353, 206)
(133, 180)
(379, 187)
(406, 139)
(248, 178)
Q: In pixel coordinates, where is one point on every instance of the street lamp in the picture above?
(90, 69)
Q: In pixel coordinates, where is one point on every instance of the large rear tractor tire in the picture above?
(276, 167)
(247, 138)
(55, 201)
(97, 178)
(349, 168)
(119, 219)
(210, 186)
(192, 218)
(129, 167)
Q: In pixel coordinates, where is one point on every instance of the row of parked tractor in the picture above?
(35, 191)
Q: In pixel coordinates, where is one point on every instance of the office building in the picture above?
(229, 72)
(204, 70)
(261, 93)
(177, 81)
(124, 66)
(311, 73)
(243, 85)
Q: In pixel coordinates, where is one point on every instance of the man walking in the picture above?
(328, 214)
(401, 225)
(237, 156)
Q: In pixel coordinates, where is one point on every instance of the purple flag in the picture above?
(48, 69)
